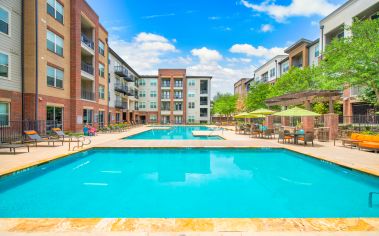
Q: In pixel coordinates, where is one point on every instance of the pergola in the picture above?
(306, 98)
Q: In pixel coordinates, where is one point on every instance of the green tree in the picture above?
(258, 94)
(354, 60)
(224, 104)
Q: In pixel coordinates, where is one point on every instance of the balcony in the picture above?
(121, 71)
(130, 92)
(88, 95)
(165, 85)
(178, 97)
(136, 108)
(204, 91)
(167, 97)
(121, 104)
(87, 43)
(136, 94)
(122, 88)
(178, 85)
(87, 68)
(129, 78)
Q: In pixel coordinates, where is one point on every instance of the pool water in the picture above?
(175, 133)
(201, 183)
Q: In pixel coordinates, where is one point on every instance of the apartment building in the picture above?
(303, 53)
(173, 97)
(123, 92)
(240, 87)
(10, 60)
(333, 26)
(66, 64)
(270, 71)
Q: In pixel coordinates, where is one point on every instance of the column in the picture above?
(331, 121)
(269, 122)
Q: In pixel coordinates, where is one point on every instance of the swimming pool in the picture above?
(185, 182)
(174, 133)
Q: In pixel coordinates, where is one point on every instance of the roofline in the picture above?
(302, 40)
(149, 76)
(285, 59)
(267, 62)
(346, 4)
(122, 61)
(314, 42)
(240, 80)
(199, 76)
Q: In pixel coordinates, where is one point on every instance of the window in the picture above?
(153, 105)
(142, 94)
(191, 82)
(87, 116)
(101, 118)
(317, 51)
(191, 94)
(101, 48)
(101, 92)
(178, 94)
(178, 106)
(54, 43)
(101, 70)
(191, 105)
(54, 117)
(203, 100)
(118, 116)
(55, 9)
(153, 94)
(203, 86)
(141, 82)
(54, 77)
(165, 95)
(191, 119)
(341, 35)
(4, 65)
(142, 105)
(272, 72)
(153, 82)
(285, 67)
(153, 118)
(4, 113)
(4, 21)
(203, 112)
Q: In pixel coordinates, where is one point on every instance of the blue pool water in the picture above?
(188, 183)
(175, 133)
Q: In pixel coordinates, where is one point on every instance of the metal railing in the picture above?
(204, 91)
(360, 122)
(13, 131)
(121, 105)
(87, 41)
(165, 85)
(121, 71)
(88, 95)
(87, 68)
(119, 87)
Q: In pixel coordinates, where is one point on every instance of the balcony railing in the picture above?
(178, 97)
(129, 78)
(165, 97)
(203, 114)
(122, 88)
(166, 109)
(88, 95)
(203, 103)
(165, 85)
(87, 41)
(130, 92)
(178, 85)
(204, 91)
(87, 68)
(121, 105)
(120, 71)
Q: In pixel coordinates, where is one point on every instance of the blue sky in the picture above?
(223, 38)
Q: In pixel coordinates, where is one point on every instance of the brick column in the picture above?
(308, 124)
(269, 122)
(347, 111)
(285, 121)
(331, 121)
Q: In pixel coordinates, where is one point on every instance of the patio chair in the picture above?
(269, 133)
(13, 147)
(286, 136)
(307, 138)
(80, 140)
(34, 137)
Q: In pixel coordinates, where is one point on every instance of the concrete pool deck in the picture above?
(352, 158)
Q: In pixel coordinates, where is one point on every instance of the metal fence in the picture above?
(13, 131)
(360, 122)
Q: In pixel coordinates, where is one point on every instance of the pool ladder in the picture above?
(370, 198)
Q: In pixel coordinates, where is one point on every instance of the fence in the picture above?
(360, 122)
(13, 131)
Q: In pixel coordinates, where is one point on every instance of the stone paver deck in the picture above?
(352, 158)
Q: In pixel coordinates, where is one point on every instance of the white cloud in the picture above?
(296, 8)
(157, 16)
(214, 18)
(315, 23)
(259, 51)
(206, 55)
(267, 28)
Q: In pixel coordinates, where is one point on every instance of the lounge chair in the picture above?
(371, 146)
(80, 140)
(34, 137)
(12, 147)
(308, 137)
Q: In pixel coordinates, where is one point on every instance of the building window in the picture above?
(101, 119)
(101, 70)
(55, 9)
(178, 106)
(153, 82)
(101, 92)
(191, 94)
(203, 101)
(317, 51)
(341, 35)
(118, 117)
(142, 94)
(285, 67)
(178, 95)
(153, 118)
(141, 82)
(165, 95)
(153, 105)
(101, 48)
(54, 43)
(4, 65)
(87, 116)
(54, 77)
(272, 72)
(191, 82)
(142, 105)
(54, 117)
(203, 112)
(153, 94)
(4, 21)
(4, 113)
(191, 105)
(191, 119)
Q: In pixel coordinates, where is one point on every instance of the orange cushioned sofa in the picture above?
(369, 142)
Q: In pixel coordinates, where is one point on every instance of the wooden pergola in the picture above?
(306, 98)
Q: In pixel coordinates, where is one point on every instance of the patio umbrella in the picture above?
(296, 112)
(245, 115)
(262, 111)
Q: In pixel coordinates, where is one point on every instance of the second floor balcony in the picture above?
(87, 68)
(87, 41)
(122, 88)
(88, 95)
